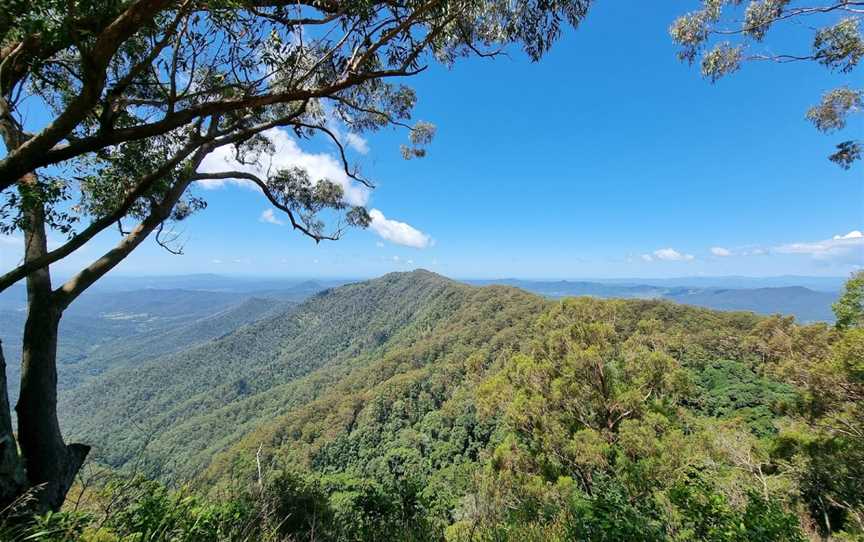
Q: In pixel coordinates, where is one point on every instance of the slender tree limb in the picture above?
(268, 193)
(11, 169)
(65, 294)
(98, 225)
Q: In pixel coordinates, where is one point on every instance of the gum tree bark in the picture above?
(51, 464)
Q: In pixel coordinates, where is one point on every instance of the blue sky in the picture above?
(609, 158)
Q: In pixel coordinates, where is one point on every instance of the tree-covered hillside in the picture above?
(124, 328)
(412, 407)
(201, 399)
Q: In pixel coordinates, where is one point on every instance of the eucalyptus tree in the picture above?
(724, 34)
(133, 95)
(849, 308)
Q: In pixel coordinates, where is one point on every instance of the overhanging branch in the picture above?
(268, 193)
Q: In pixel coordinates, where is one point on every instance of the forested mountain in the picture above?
(417, 405)
(200, 399)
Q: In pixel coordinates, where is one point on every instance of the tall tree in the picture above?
(728, 33)
(140, 92)
(849, 309)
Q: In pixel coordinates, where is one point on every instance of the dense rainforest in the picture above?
(412, 407)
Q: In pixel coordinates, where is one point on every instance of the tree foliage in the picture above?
(724, 34)
(850, 307)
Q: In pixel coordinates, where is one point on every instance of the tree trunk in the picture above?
(12, 479)
(51, 465)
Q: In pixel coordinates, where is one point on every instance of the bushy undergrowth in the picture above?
(289, 507)
(140, 510)
(295, 507)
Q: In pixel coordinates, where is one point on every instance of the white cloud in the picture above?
(647, 258)
(216, 261)
(397, 232)
(672, 255)
(721, 252)
(854, 234)
(848, 248)
(287, 154)
(269, 217)
(379, 244)
(357, 143)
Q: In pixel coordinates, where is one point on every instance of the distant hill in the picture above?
(105, 329)
(132, 350)
(805, 304)
(270, 380)
(213, 283)
(110, 327)
(565, 288)
(256, 372)
(820, 284)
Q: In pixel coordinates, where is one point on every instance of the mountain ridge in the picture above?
(374, 310)
(282, 363)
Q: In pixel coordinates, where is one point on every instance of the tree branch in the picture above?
(19, 161)
(11, 169)
(272, 198)
(98, 225)
(65, 294)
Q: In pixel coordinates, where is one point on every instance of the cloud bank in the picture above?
(668, 255)
(848, 248)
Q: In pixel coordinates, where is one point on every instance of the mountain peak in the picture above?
(419, 273)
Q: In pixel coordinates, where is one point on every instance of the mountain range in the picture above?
(806, 304)
(403, 401)
(218, 386)
(128, 320)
